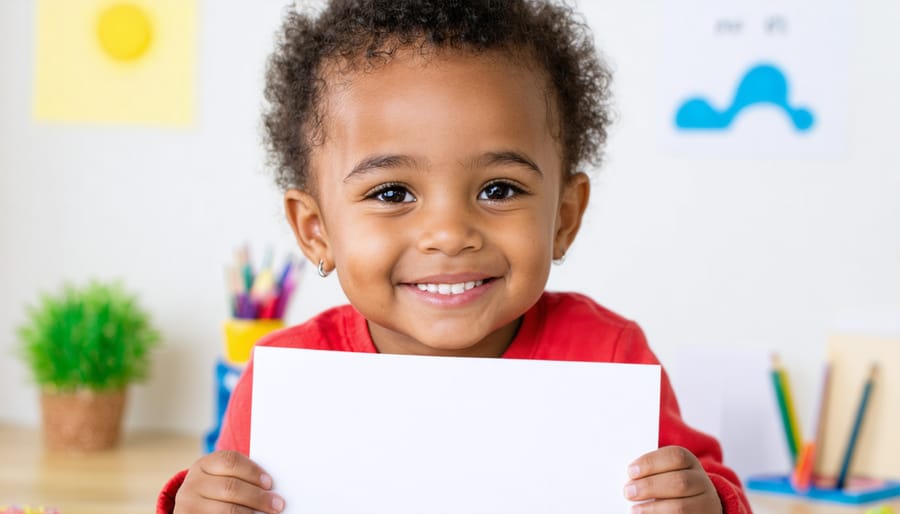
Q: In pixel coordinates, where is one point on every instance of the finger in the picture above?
(700, 503)
(208, 507)
(234, 464)
(669, 458)
(675, 484)
(235, 491)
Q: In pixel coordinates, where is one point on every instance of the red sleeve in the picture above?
(632, 347)
(235, 435)
(165, 504)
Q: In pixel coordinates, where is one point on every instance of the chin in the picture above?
(480, 348)
(450, 346)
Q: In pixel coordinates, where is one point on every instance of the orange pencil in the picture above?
(801, 478)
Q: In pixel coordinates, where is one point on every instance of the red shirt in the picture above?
(560, 326)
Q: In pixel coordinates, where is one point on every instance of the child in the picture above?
(430, 151)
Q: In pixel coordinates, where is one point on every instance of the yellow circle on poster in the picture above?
(125, 31)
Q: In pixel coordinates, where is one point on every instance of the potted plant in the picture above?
(84, 345)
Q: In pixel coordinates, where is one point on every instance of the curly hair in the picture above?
(367, 33)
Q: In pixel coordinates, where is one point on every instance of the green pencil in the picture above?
(778, 384)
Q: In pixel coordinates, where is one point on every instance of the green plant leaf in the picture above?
(96, 337)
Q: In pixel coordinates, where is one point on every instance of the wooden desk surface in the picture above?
(122, 481)
(127, 480)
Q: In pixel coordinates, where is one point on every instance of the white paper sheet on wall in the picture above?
(394, 434)
(751, 79)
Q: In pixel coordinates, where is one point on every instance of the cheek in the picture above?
(366, 247)
(529, 242)
(543, 235)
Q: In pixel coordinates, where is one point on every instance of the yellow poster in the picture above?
(116, 61)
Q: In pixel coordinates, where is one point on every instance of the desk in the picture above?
(127, 480)
(122, 481)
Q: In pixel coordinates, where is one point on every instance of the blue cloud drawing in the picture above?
(762, 84)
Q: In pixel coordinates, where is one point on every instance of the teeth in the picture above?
(449, 288)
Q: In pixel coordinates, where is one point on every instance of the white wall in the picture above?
(751, 253)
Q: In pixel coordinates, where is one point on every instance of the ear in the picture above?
(576, 191)
(305, 216)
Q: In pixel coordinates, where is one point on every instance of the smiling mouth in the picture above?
(450, 289)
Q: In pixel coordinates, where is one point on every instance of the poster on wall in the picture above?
(747, 78)
(129, 62)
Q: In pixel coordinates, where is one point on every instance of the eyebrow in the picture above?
(508, 157)
(376, 162)
(388, 161)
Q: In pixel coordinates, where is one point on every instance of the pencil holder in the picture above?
(242, 334)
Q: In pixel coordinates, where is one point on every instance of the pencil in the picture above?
(819, 434)
(778, 384)
(285, 271)
(857, 423)
(791, 410)
(802, 478)
(246, 266)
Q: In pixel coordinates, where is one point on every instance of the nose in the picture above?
(449, 229)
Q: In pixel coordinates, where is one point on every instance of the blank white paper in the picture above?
(354, 433)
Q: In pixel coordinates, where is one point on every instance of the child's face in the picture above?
(440, 200)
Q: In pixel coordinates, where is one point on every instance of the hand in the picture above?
(227, 482)
(673, 478)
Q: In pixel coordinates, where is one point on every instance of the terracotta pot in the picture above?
(82, 421)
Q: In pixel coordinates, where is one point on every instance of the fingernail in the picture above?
(630, 491)
(266, 481)
(277, 504)
(634, 470)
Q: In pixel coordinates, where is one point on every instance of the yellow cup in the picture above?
(242, 334)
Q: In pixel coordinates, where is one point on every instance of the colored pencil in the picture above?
(791, 409)
(857, 423)
(285, 271)
(260, 295)
(801, 478)
(246, 267)
(778, 383)
(821, 416)
(804, 472)
(263, 284)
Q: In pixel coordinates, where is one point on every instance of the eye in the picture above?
(499, 191)
(391, 193)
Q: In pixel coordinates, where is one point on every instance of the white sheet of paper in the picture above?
(708, 47)
(353, 433)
